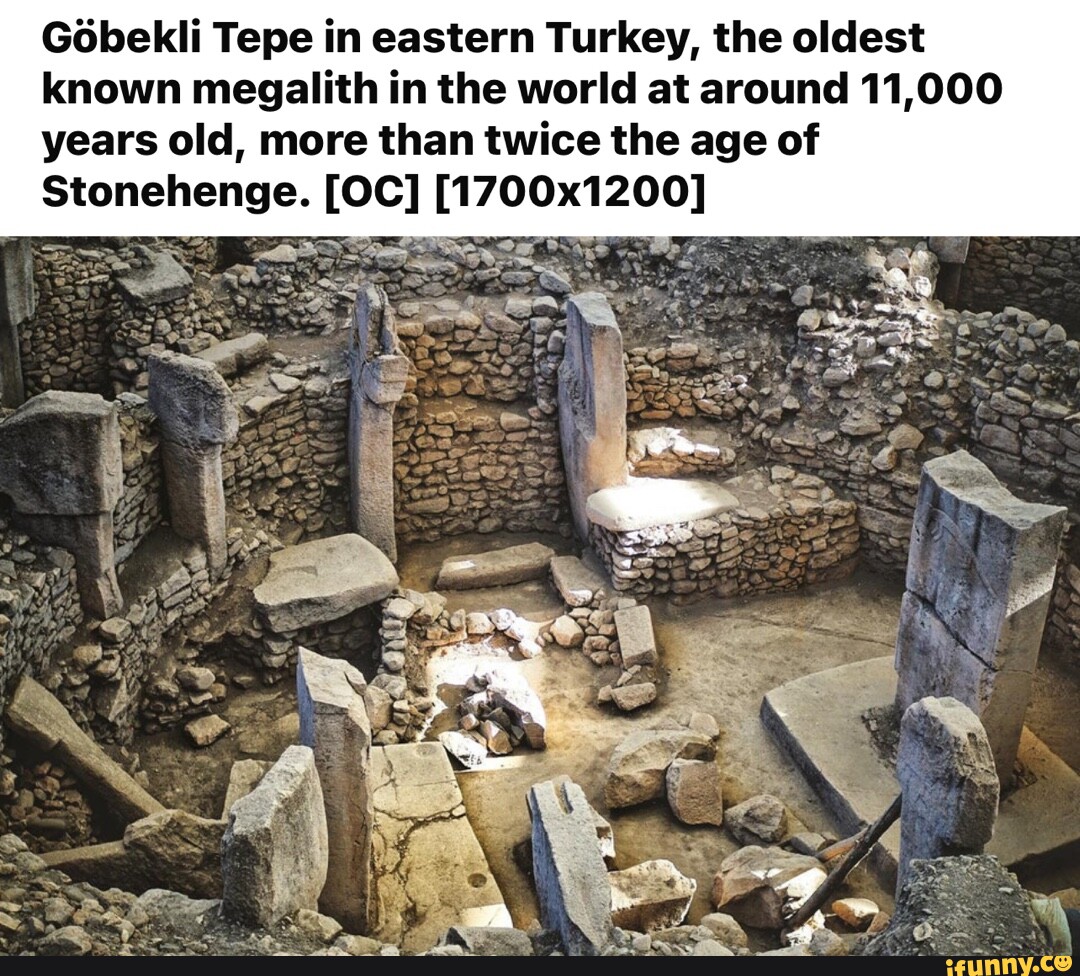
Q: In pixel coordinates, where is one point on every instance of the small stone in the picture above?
(566, 632)
(115, 630)
(195, 679)
(802, 296)
(503, 618)
(933, 380)
(86, 656)
(478, 624)
(316, 925)
(205, 731)
(856, 913)
(71, 940)
(904, 437)
(761, 819)
(727, 931)
(694, 792)
(631, 697)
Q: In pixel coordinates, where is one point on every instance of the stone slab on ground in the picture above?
(578, 580)
(498, 567)
(39, 718)
(428, 863)
(818, 721)
(637, 643)
(644, 503)
(237, 355)
(323, 580)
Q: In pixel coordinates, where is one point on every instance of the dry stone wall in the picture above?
(1040, 274)
(795, 531)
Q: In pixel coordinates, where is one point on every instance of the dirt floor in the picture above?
(719, 656)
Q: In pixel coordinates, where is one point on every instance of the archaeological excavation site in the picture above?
(577, 596)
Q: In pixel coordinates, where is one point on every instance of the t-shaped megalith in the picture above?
(196, 416)
(60, 463)
(592, 403)
(979, 578)
(17, 305)
(949, 787)
(334, 724)
(379, 372)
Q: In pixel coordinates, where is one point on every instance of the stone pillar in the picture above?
(952, 255)
(947, 778)
(196, 416)
(568, 869)
(60, 462)
(17, 306)
(592, 403)
(334, 724)
(274, 852)
(379, 371)
(979, 579)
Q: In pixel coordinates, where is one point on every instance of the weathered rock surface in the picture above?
(758, 886)
(956, 906)
(639, 763)
(760, 819)
(637, 643)
(650, 895)
(237, 355)
(569, 873)
(274, 853)
(630, 697)
(694, 791)
(488, 940)
(577, 581)
(498, 567)
(323, 580)
(206, 730)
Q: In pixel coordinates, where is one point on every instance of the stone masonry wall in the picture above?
(803, 535)
(141, 506)
(1038, 274)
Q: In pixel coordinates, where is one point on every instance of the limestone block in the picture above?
(592, 403)
(755, 885)
(498, 567)
(60, 454)
(638, 766)
(949, 784)
(323, 580)
(274, 855)
(334, 724)
(694, 791)
(649, 896)
(760, 819)
(163, 280)
(193, 404)
(237, 355)
(568, 870)
(576, 581)
(637, 643)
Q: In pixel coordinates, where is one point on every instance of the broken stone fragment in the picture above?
(759, 886)
(856, 913)
(651, 895)
(630, 697)
(566, 632)
(464, 748)
(636, 771)
(577, 582)
(694, 791)
(274, 854)
(637, 643)
(761, 819)
(205, 731)
(727, 931)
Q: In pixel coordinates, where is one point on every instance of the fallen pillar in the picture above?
(947, 781)
(334, 724)
(499, 567)
(274, 853)
(979, 578)
(592, 403)
(379, 372)
(196, 416)
(568, 869)
(44, 723)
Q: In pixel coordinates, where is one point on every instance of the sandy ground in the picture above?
(719, 657)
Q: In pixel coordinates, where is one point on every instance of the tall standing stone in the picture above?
(592, 403)
(379, 372)
(274, 852)
(568, 869)
(947, 778)
(334, 724)
(61, 464)
(196, 416)
(17, 306)
(979, 579)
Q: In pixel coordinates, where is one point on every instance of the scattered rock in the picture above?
(760, 819)
(639, 763)
(755, 885)
(205, 731)
(694, 791)
(651, 895)
(631, 697)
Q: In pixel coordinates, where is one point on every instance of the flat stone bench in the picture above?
(323, 580)
(770, 529)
